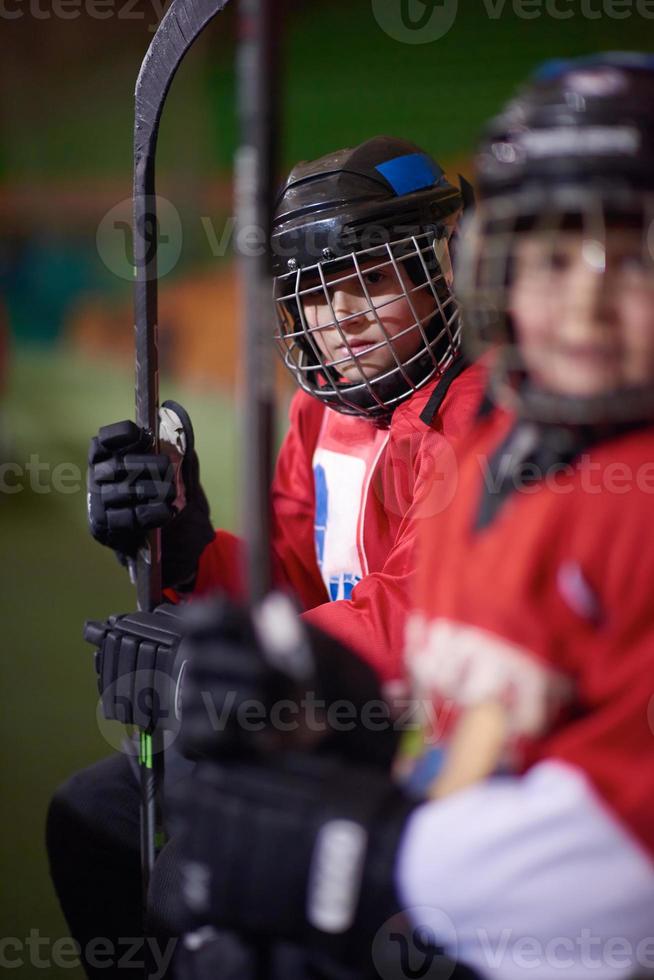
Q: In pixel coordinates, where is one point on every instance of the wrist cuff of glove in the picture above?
(182, 542)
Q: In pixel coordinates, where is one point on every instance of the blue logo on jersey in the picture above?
(340, 586)
(320, 521)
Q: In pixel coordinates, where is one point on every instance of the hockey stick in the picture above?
(258, 75)
(257, 88)
(181, 25)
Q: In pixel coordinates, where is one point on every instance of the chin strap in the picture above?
(530, 452)
(457, 367)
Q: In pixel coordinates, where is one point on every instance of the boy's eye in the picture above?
(633, 263)
(373, 277)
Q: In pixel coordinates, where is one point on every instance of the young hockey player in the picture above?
(535, 636)
(370, 330)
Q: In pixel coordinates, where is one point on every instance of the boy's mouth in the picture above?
(589, 354)
(356, 346)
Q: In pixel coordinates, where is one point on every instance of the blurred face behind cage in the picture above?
(582, 307)
(562, 294)
(558, 277)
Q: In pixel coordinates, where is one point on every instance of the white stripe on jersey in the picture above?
(339, 483)
(535, 878)
(364, 498)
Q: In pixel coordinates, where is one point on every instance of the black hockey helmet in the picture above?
(587, 119)
(385, 203)
(574, 150)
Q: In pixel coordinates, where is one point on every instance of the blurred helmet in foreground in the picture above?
(363, 276)
(556, 275)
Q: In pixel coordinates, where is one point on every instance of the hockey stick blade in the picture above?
(183, 22)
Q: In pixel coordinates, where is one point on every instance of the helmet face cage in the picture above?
(417, 265)
(487, 274)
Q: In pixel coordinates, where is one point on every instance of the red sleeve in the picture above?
(295, 569)
(372, 621)
(221, 567)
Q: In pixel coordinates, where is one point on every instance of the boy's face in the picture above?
(583, 311)
(362, 326)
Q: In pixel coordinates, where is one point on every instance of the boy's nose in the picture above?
(589, 300)
(349, 303)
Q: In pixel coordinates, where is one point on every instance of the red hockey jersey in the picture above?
(548, 609)
(349, 503)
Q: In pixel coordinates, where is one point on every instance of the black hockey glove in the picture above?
(132, 490)
(139, 661)
(305, 854)
(260, 681)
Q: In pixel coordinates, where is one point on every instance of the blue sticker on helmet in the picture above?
(553, 69)
(409, 173)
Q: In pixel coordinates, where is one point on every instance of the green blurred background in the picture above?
(65, 105)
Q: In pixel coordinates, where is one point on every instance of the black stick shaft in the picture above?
(148, 564)
(257, 70)
(255, 184)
